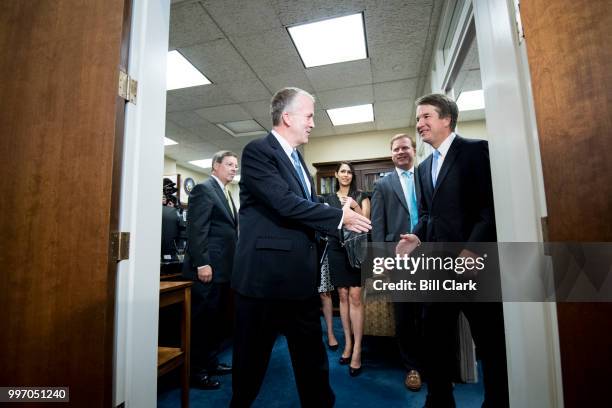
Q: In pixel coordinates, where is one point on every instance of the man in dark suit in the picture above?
(212, 231)
(276, 265)
(170, 232)
(456, 205)
(395, 212)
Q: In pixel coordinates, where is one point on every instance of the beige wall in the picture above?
(171, 168)
(475, 129)
(359, 146)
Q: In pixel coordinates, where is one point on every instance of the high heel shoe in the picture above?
(354, 372)
(344, 360)
(332, 347)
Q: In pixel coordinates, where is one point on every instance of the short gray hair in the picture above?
(220, 155)
(282, 99)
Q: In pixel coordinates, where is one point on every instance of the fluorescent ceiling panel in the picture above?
(471, 100)
(243, 128)
(204, 163)
(181, 74)
(351, 114)
(169, 142)
(330, 41)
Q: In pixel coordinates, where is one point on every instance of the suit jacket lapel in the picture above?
(396, 185)
(221, 197)
(282, 157)
(451, 155)
(310, 180)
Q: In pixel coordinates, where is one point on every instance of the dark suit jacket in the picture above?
(460, 208)
(212, 232)
(276, 256)
(170, 231)
(390, 214)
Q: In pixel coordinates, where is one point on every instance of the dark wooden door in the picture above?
(570, 60)
(61, 126)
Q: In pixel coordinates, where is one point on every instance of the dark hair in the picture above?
(281, 100)
(402, 136)
(444, 105)
(220, 155)
(172, 199)
(353, 192)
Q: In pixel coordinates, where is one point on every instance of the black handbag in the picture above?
(355, 244)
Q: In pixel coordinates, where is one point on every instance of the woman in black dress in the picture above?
(346, 278)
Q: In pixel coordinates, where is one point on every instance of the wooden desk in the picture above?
(170, 358)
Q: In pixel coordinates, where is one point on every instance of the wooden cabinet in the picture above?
(366, 173)
(170, 358)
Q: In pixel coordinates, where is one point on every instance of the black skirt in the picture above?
(340, 270)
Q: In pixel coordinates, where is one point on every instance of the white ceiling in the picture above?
(243, 47)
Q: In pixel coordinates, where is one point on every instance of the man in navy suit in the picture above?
(276, 264)
(212, 232)
(456, 205)
(395, 212)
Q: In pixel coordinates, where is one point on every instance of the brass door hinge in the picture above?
(128, 87)
(120, 246)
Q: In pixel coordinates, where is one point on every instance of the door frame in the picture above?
(137, 290)
(532, 341)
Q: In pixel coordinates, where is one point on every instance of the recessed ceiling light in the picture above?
(169, 142)
(204, 163)
(471, 100)
(243, 128)
(351, 114)
(330, 41)
(181, 73)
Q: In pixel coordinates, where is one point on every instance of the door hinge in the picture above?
(520, 33)
(120, 245)
(128, 87)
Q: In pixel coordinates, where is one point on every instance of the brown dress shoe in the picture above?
(413, 381)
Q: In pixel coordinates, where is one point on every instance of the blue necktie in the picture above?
(408, 177)
(434, 167)
(300, 173)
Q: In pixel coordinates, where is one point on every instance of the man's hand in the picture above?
(407, 244)
(205, 273)
(353, 221)
(466, 253)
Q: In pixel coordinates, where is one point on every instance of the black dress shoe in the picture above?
(344, 360)
(439, 402)
(204, 382)
(221, 369)
(334, 347)
(354, 372)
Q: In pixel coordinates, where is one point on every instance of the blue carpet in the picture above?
(381, 382)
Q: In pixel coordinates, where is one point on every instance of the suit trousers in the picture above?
(409, 333)
(207, 302)
(258, 323)
(487, 327)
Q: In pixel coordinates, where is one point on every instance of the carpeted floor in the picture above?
(380, 384)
